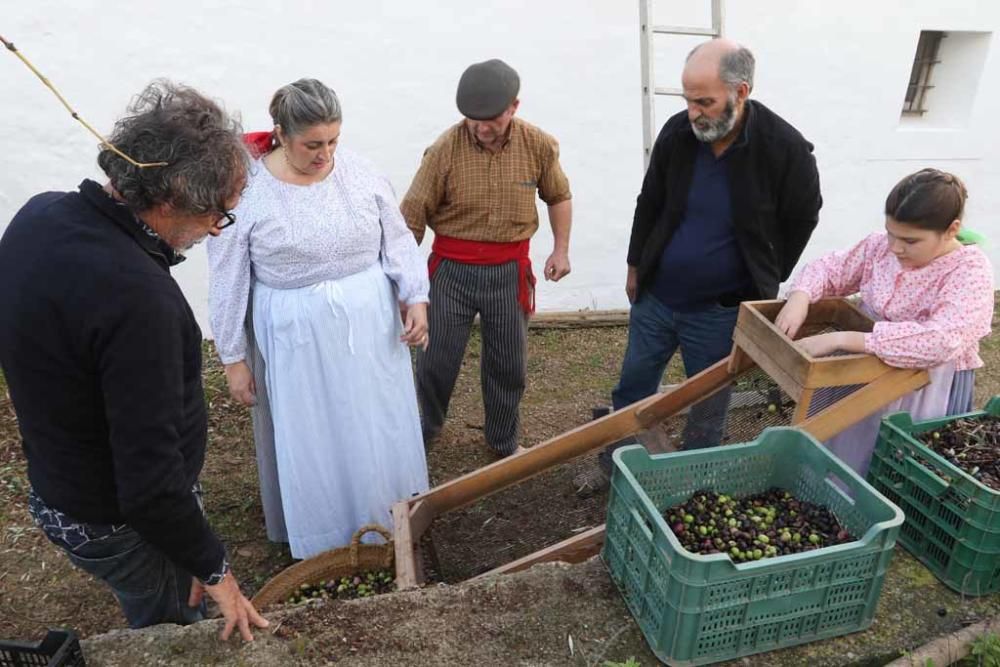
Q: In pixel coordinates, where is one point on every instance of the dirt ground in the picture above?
(570, 372)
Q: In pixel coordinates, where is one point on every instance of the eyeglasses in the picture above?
(226, 220)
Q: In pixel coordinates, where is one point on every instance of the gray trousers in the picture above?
(458, 293)
(263, 435)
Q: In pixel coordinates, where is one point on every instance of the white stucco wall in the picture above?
(837, 71)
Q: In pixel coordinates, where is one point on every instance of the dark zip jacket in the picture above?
(102, 356)
(775, 193)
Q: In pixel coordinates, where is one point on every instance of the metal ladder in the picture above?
(647, 56)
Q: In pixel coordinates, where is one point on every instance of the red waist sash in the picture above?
(488, 253)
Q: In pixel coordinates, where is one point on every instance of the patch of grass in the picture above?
(985, 651)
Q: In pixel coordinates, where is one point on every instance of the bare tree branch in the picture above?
(104, 142)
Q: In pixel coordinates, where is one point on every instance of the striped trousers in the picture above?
(458, 293)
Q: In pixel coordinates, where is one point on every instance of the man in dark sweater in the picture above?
(727, 205)
(102, 356)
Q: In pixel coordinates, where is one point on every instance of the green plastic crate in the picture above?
(952, 520)
(696, 609)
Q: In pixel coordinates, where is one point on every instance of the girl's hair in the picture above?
(929, 199)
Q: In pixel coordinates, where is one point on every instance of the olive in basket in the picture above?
(363, 585)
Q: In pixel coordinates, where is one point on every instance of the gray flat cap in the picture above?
(486, 89)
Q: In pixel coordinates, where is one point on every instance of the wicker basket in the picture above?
(332, 564)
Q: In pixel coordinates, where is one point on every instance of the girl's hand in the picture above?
(241, 384)
(822, 345)
(415, 325)
(793, 313)
(826, 344)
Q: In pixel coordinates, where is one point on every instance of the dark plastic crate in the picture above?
(60, 648)
(695, 609)
(952, 520)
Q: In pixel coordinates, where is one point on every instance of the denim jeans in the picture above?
(150, 589)
(655, 331)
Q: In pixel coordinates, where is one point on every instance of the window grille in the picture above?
(920, 75)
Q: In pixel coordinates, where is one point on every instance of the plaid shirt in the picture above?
(464, 191)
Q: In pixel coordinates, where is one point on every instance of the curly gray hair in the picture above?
(201, 144)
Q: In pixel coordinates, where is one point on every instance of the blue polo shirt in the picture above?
(702, 261)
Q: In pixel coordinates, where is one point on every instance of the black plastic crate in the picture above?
(60, 648)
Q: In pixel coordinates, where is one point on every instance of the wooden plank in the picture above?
(754, 325)
(573, 550)
(773, 368)
(825, 312)
(524, 465)
(421, 515)
(865, 401)
(406, 564)
(581, 319)
(687, 393)
(852, 318)
(802, 407)
(739, 360)
(844, 370)
(419, 570)
(578, 319)
(769, 309)
(839, 314)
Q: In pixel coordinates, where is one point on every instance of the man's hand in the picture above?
(793, 313)
(414, 324)
(241, 384)
(632, 283)
(557, 266)
(236, 609)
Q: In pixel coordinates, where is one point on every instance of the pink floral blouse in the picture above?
(926, 316)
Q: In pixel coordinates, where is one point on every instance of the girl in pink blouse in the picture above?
(930, 296)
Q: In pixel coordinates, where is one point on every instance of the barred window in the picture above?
(920, 76)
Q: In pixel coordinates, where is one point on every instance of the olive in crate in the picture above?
(971, 444)
(764, 525)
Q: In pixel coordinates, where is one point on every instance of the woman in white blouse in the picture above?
(305, 302)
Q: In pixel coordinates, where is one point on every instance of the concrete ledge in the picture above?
(525, 618)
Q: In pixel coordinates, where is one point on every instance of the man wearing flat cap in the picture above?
(476, 189)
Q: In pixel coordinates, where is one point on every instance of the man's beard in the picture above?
(710, 131)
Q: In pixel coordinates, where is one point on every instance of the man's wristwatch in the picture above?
(217, 576)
